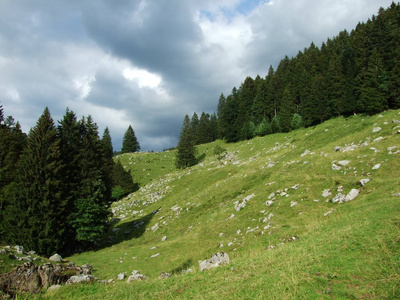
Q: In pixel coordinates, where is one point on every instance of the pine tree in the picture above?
(204, 131)
(130, 142)
(122, 181)
(186, 151)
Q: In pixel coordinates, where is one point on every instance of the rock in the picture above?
(305, 153)
(396, 194)
(340, 188)
(186, 271)
(395, 121)
(337, 148)
(155, 227)
(376, 167)
(136, 276)
(155, 255)
(121, 276)
(343, 162)
(364, 181)
(20, 249)
(175, 208)
(295, 187)
(230, 244)
(56, 258)
(352, 195)
(391, 148)
(54, 287)
(376, 129)
(163, 239)
(327, 213)
(293, 203)
(239, 205)
(165, 275)
(216, 260)
(272, 195)
(269, 203)
(339, 198)
(326, 193)
(81, 279)
(230, 217)
(378, 139)
(336, 167)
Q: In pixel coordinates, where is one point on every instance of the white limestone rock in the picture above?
(216, 260)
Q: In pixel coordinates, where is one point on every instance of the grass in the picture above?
(350, 253)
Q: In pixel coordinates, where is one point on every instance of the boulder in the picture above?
(376, 167)
(136, 276)
(81, 279)
(56, 258)
(339, 198)
(336, 167)
(121, 276)
(216, 260)
(352, 195)
(326, 193)
(376, 129)
(343, 162)
(364, 181)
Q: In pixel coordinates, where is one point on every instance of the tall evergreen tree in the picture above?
(130, 142)
(186, 151)
(37, 216)
(204, 131)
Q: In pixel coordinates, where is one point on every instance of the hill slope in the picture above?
(297, 245)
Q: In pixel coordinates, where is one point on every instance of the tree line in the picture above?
(356, 72)
(57, 183)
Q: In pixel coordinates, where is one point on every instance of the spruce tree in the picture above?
(186, 151)
(122, 181)
(130, 142)
(40, 201)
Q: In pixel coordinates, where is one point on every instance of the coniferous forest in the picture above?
(356, 72)
(56, 183)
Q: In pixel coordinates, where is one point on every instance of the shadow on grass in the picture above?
(183, 267)
(126, 231)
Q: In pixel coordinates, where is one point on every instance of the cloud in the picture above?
(148, 63)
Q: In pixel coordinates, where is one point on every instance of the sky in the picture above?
(148, 63)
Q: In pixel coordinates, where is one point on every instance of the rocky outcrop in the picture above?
(31, 278)
(216, 260)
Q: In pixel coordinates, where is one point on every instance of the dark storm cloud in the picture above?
(148, 63)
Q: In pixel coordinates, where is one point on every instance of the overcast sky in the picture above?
(148, 63)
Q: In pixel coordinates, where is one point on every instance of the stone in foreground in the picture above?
(216, 260)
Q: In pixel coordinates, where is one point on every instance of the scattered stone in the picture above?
(293, 203)
(186, 271)
(136, 276)
(336, 167)
(155, 255)
(56, 258)
(20, 249)
(376, 129)
(269, 203)
(153, 248)
(305, 153)
(396, 194)
(340, 188)
(164, 275)
(230, 217)
(327, 213)
(392, 148)
(230, 244)
(343, 162)
(378, 139)
(221, 234)
(376, 167)
(337, 148)
(272, 195)
(364, 181)
(175, 208)
(395, 121)
(239, 205)
(163, 238)
(352, 195)
(216, 260)
(80, 279)
(339, 198)
(121, 276)
(110, 280)
(326, 193)
(239, 231)
(295, 187)
(54, 287)
(155, 227)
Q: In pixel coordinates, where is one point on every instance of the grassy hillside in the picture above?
(298, 246)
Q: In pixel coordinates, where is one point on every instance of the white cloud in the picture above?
(143, 77)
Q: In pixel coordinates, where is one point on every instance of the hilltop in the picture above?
(313, 213)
